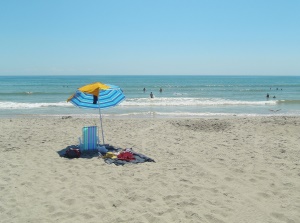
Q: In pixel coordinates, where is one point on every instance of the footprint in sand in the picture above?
(282, 217)
(213, 219)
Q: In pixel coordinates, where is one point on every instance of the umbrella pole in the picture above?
(101, 125)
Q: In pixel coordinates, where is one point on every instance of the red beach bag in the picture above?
(73, 153)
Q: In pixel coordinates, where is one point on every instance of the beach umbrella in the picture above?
(97, 96)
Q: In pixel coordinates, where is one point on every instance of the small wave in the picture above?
(190, 102)
(171, 114)
(288, 101)
(32, 93)
(21, 105)
(85, 116)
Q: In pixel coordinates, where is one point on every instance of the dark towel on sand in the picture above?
(138, 158)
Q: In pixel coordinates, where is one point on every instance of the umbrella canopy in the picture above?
(104, 96)
(97, 96)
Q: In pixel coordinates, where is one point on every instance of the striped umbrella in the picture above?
(97, 96)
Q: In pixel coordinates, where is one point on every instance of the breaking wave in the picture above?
(21, 105)
(145, 102)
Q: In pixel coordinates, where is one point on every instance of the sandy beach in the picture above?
(214, 170)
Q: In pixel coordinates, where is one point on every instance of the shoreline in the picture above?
(146, 116)
(218, 169)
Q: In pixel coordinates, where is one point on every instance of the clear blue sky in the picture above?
(201, 37)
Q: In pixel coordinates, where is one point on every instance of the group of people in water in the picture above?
(268, 96)
(151, 94)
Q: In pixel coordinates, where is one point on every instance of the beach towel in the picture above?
(133, 158)
(110, 155)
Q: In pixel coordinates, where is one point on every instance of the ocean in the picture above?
(181, 96)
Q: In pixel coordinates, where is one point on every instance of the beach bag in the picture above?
(73, 153)
(126, 156)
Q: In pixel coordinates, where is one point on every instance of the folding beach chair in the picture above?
(90, 139)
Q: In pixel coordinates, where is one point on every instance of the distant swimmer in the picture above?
(160, 90)
(144, 89)
(151, 95)
(274, 96)
(274, 110)
(268, 95)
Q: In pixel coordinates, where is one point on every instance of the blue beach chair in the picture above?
(90, 139)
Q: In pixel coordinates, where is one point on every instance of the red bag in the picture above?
(127, 156)
(73, 153)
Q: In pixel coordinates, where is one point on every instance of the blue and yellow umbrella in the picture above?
(97, 96)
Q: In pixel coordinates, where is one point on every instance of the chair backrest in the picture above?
(89, 138)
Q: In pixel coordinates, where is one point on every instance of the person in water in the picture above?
(151, 95)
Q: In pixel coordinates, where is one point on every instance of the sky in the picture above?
(150, 37)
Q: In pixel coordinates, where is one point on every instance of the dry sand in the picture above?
(231, 170)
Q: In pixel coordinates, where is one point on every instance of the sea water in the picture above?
(181, 96)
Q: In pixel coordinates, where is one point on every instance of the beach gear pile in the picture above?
(109, 154)
(122, 156)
